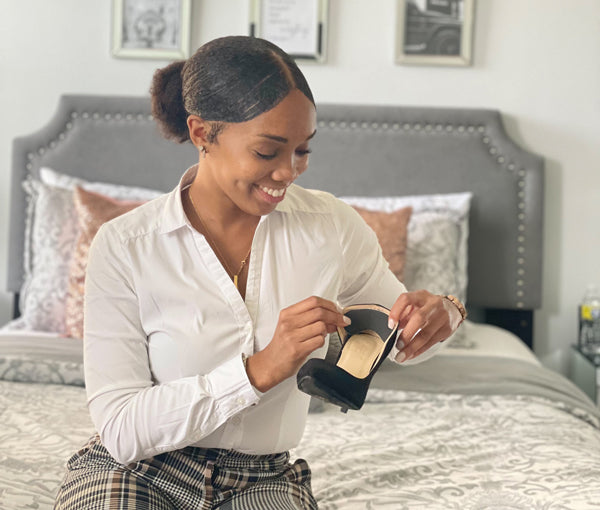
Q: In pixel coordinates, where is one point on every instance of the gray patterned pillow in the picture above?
(24, 368)
(50, 241)
(432, 260)
(41, 358)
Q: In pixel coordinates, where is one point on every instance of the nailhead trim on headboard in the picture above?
(87, 116)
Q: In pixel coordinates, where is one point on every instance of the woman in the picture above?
(202, 305)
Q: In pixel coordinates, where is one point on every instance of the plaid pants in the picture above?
(186, 479)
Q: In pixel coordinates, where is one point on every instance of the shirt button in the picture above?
(241, 401)
(237, 421)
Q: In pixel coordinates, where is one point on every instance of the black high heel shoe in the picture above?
(365, 344)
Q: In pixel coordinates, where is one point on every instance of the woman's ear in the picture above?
(198, 130)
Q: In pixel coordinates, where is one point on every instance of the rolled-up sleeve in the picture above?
(135, 417)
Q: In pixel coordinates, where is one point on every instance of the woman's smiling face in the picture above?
(252, 163)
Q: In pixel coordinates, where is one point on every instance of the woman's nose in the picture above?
(286, 171)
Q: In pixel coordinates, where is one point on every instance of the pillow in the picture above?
(444, 217)
(93, 209)
(432, 255)
(51, 233)
(31, 357)
(60, 180)
(391, 231)
(51, 239)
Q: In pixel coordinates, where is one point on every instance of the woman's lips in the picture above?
(271, 195)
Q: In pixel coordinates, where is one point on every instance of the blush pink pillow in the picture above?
(391, 229)
(93, 209)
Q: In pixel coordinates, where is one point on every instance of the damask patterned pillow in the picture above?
(93, 210)
(50, 241)
(431, 254)
(40, 358)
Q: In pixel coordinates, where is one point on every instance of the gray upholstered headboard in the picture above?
(359, 150)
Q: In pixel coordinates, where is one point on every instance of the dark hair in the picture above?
(230, 79)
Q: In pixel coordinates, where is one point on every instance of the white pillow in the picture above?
(51, 234)
(118, 191)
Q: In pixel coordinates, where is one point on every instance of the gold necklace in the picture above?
(212, 242)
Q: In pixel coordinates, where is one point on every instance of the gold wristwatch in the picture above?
(456, 302)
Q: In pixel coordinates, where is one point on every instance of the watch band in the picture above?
(456, 302)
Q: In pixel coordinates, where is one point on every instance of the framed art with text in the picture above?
(299, 27)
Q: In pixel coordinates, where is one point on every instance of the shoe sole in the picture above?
(311, 386)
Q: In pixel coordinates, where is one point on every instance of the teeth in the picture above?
(273, 192)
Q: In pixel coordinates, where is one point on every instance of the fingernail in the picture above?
(392, 323)
(347, 321)
(399, 345)
(400, 357)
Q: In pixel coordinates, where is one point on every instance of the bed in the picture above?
(481, 425)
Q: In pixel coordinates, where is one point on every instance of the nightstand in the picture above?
(584, 371)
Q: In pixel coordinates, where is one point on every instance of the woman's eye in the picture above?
(299, 152)
(265, 156)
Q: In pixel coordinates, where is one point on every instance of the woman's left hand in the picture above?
(424, 320)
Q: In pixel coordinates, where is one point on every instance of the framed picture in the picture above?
(299, 27)
(157, 29)
(434, 32)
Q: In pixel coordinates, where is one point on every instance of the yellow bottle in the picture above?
(589, 321)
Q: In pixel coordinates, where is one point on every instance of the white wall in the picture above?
(535, 60)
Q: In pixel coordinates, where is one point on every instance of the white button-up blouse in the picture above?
(165, 327)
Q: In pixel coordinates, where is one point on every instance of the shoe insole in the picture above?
(360, 353)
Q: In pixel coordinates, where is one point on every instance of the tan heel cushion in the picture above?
(360, 353)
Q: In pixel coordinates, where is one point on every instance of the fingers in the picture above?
(406, 303)
(300, 330)
(314, 302)
(436, 331)
(424, 321)
(314, 310)
(315, 329)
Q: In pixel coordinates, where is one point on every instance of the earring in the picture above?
(202, 150)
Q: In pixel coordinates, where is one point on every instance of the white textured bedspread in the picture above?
(497, 446)
(41, 426)
(431, 451)
(494, 434)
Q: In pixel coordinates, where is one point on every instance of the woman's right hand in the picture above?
(301, 329)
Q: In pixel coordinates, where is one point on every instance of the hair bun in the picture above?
(167, 102)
